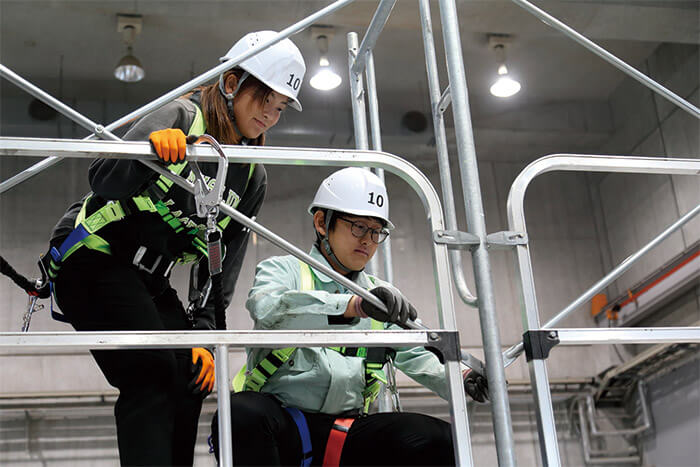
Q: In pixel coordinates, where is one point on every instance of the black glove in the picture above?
(399, 310)
(476, 386)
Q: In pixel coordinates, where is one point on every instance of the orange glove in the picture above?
(203, 372)
(169, 144)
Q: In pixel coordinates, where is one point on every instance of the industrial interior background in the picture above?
(56, 409)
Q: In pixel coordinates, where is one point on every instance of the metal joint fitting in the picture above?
(445, 344)
(505, 240)
(538, 343)
(455, 239)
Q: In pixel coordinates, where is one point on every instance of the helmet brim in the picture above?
(293, 101)
(354, 212)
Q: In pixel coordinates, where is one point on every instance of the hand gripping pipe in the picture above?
(469, 170)
(165, 98)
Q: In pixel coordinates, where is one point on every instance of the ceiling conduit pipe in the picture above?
(443, 156)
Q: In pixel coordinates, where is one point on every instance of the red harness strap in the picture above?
(336, 439)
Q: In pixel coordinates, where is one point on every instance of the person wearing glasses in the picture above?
(310, 406)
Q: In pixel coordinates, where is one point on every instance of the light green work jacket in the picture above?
(317, 379)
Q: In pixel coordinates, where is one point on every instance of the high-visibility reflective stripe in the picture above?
(307, 278)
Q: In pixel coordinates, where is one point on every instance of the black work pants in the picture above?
(156, 415)
(265, 434)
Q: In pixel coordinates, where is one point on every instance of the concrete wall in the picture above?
(630, 210)
(633, 209)
(675, 406)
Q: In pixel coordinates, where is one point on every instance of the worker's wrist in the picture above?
(358, 307)
(354, 308)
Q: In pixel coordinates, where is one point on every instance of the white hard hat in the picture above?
(354, 191)
(281, 66)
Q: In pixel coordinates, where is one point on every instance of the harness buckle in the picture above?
(141, 254)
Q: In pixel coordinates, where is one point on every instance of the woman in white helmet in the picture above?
(309, 406)
(140, 225)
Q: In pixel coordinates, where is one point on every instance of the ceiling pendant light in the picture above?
(505, 85)
(325, 79)
(129, 69)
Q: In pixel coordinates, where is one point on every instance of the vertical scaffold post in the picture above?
(224, 402)
(388, 398)
(442, 155)
(475, 219)
(359, 114)
(373, 104)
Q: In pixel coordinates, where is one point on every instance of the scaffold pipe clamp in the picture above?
(538, 343)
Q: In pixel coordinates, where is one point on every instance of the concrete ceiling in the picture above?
(562, 106)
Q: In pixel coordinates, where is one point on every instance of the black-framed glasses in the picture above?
(359, 230)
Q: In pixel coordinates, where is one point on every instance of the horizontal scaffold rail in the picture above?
(581, 336)
(189, 339)
(84, 149)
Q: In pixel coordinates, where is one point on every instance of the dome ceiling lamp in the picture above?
(325, 79)
(129, 69)
(505, 85)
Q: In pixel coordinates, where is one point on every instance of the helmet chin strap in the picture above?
(326, 245)
(229, 103)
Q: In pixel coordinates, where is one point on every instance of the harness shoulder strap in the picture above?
(256, 378)
(198, 126)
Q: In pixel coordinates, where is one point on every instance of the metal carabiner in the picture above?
(207, 200)
(32, 307)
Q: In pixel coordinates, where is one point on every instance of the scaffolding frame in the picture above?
(538, 340)
(300, 157)
(478, 241)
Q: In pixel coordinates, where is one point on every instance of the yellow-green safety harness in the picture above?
(375, 359)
